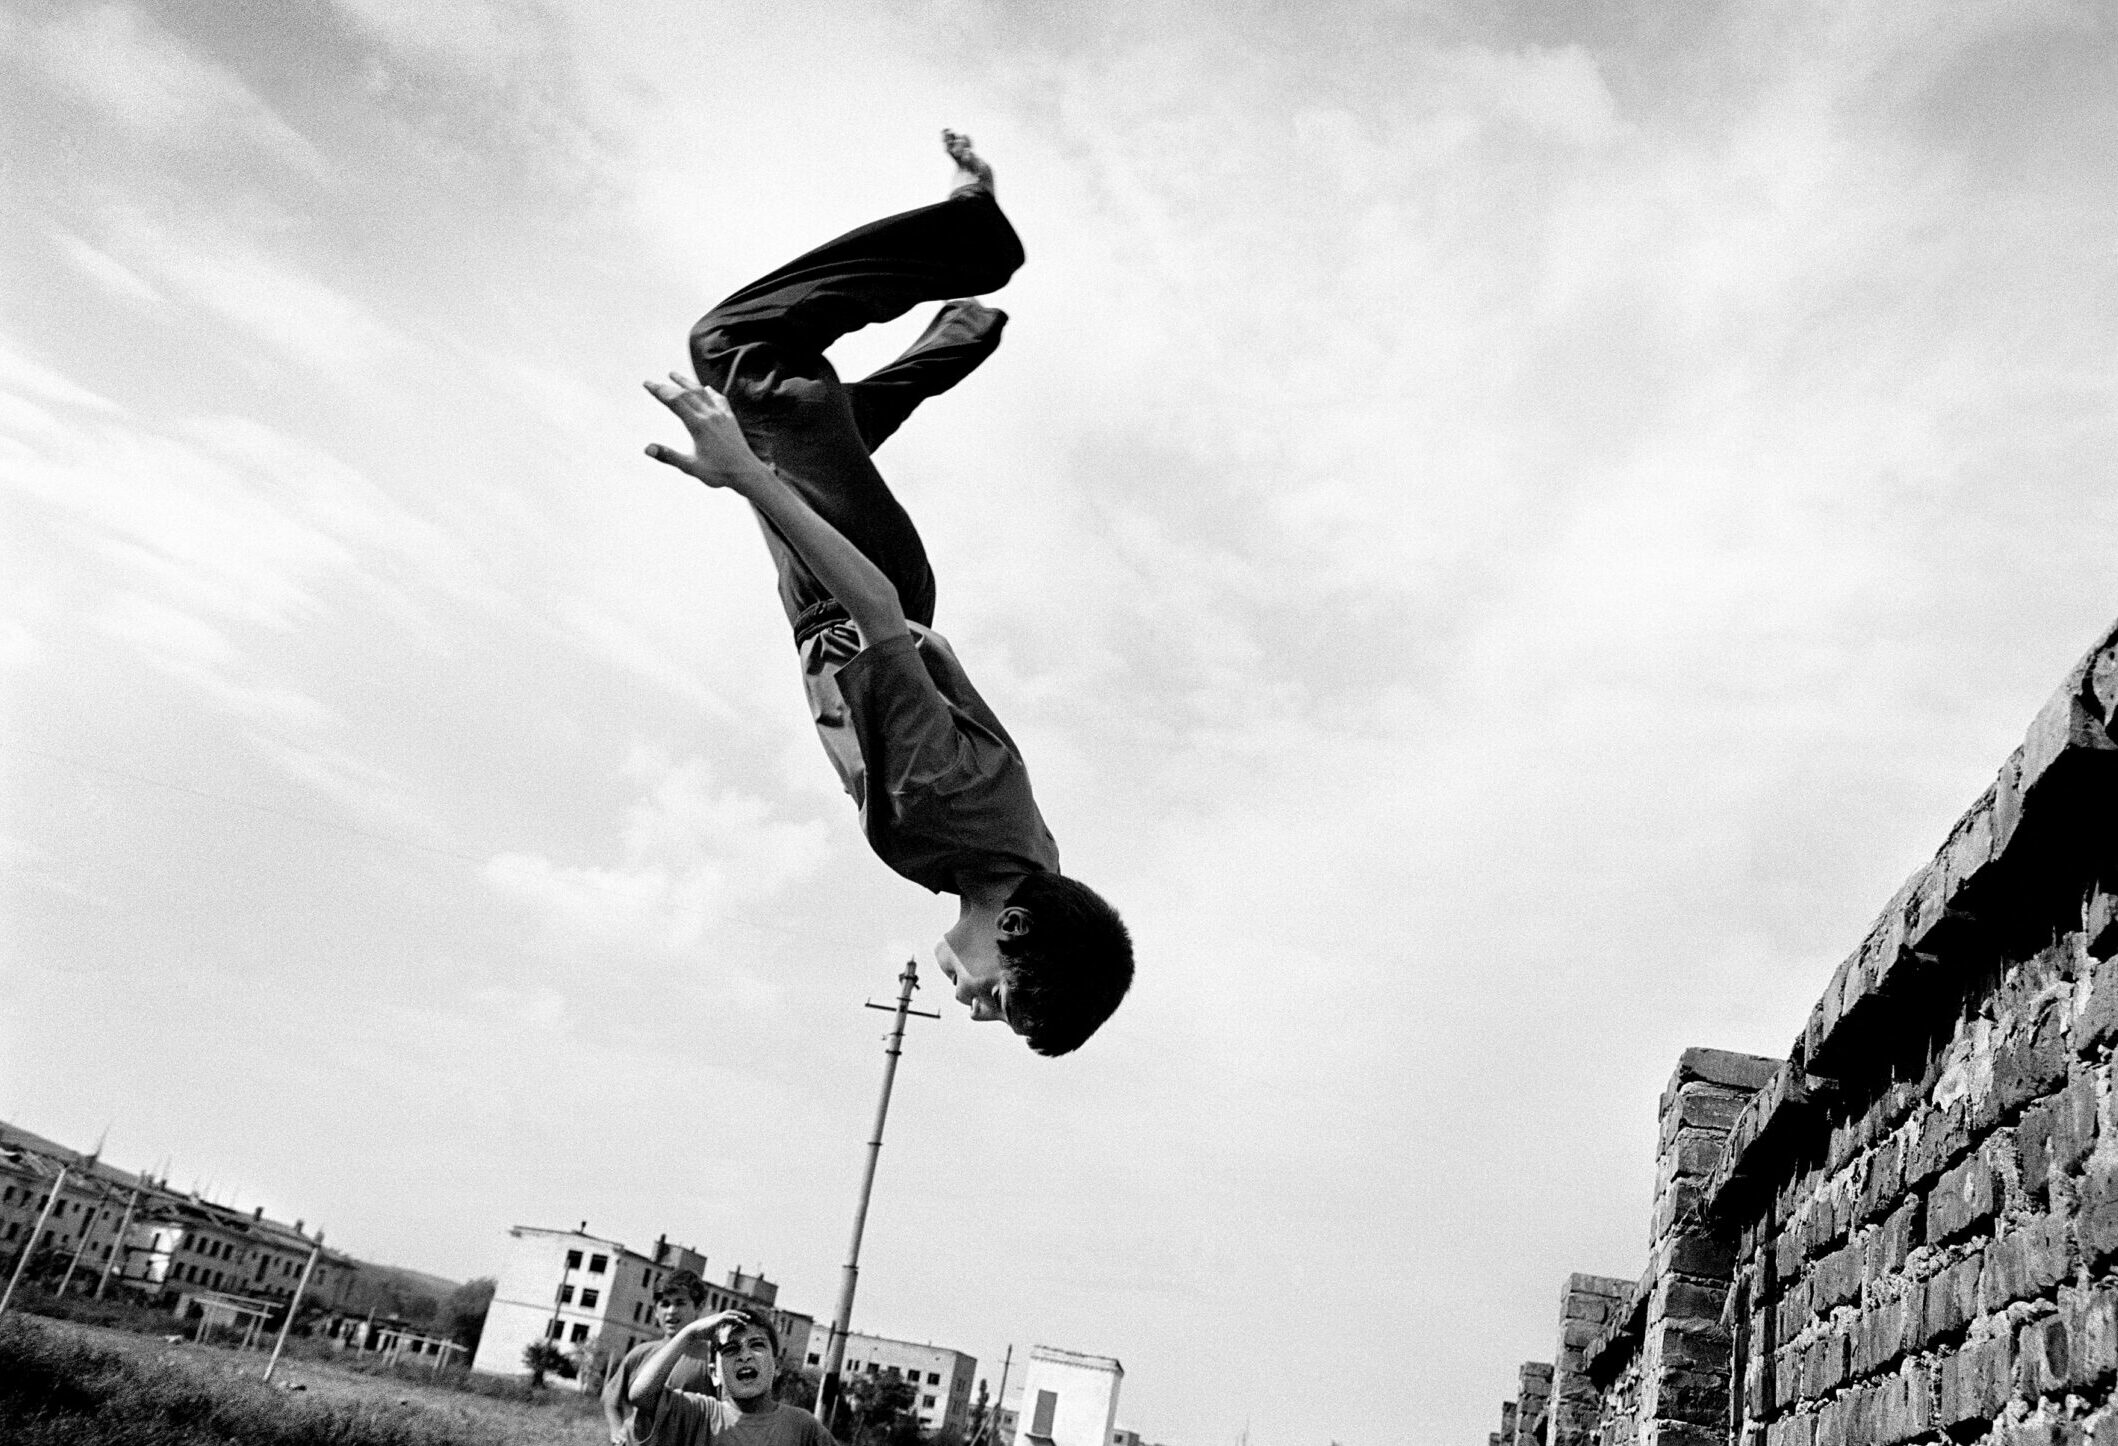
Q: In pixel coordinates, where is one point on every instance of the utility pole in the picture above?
(294, 1305)
(81, 1245)
(827, 1389)
(989, 1428)
(119, 1250)
(30, 1245)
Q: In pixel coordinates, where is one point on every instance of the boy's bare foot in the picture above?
(971, 169)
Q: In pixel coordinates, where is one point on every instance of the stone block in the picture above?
(2033, 1140)
(1792, 1312)
(1964, 1196)
(1944, 1135)
(1902, 1408)
(1795, 1430)
(1786, 1255)
(2097, 1220)
(1787, 1376)
(1975, 1383)
(1893, 1244)
(1882, 1181)
(1695, 1346)
(1702, 1107)
(1836, 1279)
(2037, 1430)
(1684, 1300)
(1684, 1433)
(1700, 1397)
(2041, 1361)
(1878, 1337)
(1831, 1422)
(2033, 1065)
(2098, 1019)
(1950, 1301)
(1694, 1153)
(2074, 1130)
(1689, 1252)
(2091, 1318)
(1828, 1363)
(2025, 1263)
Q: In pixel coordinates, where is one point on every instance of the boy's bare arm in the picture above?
(721, 458)
(653, 1374)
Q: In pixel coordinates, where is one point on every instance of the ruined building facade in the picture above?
(1907, 1230)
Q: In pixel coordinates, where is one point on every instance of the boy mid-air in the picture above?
(943, 794)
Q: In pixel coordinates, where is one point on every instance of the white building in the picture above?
(594, 1299)
(941, 1376)
(121, 1231)
(1068, 1399)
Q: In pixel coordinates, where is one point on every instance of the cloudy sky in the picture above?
(1504, 533)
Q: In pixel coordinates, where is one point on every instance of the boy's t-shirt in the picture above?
(940, 786)
(689, 1418)
(690, 1373)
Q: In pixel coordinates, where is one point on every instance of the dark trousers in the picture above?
(763, 348)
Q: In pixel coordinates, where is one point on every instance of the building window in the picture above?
(933, 1379)
(566, 1295)
(596, 1264)
(814, 1358)
(588, 1298)
(1041, 1422)
(580, 1333)
(646, 1277)
(573, 1260)
(556, 1329)
(926, 1400)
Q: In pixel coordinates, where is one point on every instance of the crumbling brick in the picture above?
(1950, 1300)
(2097, 1222)
(1963, 1197)
(2091, 1319)
(2025, 1263)
(2098, 1020)
(1975, 1382)
(1882, 1181)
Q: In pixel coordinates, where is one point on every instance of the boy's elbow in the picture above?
(878, 615)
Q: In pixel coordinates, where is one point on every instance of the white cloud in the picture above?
(694, 856)
(274, 301)
(149, 80)
(114, 276)
(23, 374)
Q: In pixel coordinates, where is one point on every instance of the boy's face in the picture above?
(746, 1364)
(673, 1313)
(969, 954)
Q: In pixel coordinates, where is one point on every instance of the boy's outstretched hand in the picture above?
(719, 455)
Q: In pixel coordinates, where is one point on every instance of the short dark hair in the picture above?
(1068, 971)
(681, 1283)
(745, 1317)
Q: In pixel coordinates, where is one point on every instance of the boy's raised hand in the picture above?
(719, 455)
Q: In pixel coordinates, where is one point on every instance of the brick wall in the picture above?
(1907, 1230)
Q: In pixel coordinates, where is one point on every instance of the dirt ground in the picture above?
(561, 1418)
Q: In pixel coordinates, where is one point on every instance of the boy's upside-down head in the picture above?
(1042, 952)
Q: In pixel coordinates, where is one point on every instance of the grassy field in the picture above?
(67, 1382)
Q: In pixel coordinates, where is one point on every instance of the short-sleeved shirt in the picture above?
(941, 787)
(690, 1418)
(690, 1373)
